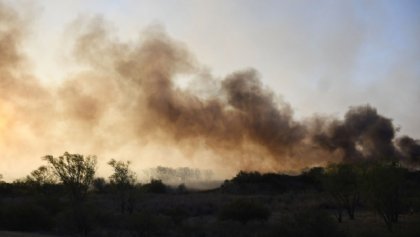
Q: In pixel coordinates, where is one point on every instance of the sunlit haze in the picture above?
(220, 85)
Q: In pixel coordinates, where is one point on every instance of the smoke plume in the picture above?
(127, 98)
(363, 134)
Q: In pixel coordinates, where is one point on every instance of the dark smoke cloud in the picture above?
(410, 150)
(363, 134)
(241, 113)
(128, 92)
(263, 120)
(366, 135)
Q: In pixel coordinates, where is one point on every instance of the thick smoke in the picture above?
(363, 134)
(24, 102)
(128, 97)
(366, 135)
(410, 150)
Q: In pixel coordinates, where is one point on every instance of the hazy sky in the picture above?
(319, 56)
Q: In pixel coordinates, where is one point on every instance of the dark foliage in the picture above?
(155, 186)
(244, 210)
(148, 224)
(383, 189)
(308, 223)
(343, 183)
(270, 183)
(25, 216)
(99, 185)
(251, 204)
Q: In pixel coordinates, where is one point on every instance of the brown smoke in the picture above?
(21, 94)
(410, 150)
(363, 134)
(128, 97)
(241, 113)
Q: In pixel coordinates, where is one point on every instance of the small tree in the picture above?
(75, 171)
(155, 186)
(42, 179)
(342, 181)
(41, 176)
(99, 185)
(383, 190)
(123, 180)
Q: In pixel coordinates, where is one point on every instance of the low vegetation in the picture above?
(65, 198)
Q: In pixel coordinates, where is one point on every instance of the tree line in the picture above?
(64, 188)
(387, 188)
(72, 177)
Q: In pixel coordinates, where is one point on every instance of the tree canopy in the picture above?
(75, 171)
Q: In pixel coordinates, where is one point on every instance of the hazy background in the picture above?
(321, 57)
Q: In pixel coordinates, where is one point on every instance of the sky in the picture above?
(320, 57)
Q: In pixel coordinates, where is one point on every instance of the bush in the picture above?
(25, 217)
(155, 186)
(244, 210)
(177, 214)
(312, 222)
(147, 224)
(181, 189)
(383, 184)
(269, 183)
(81, 220)
(99, 185)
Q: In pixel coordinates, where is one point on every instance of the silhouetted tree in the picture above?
(342, 181)
(155, 186)
(42, 175)
(181, 189)
(99, 184)
(41, 178)
(314, 177)
(123, 180)
(383, 184)
(75, 171)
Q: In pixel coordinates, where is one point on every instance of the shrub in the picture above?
(147, 224)
(75, 171)
(177, 214)
(25, 217)
(155, 186)
(383, 184)
(244, 210)
(99, 185)
(307, 223)
(81, 220)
